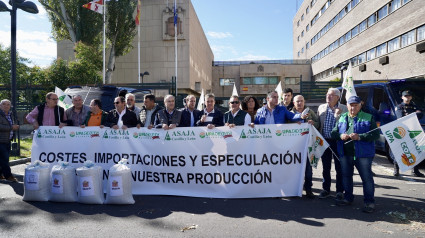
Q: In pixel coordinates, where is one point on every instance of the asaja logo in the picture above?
(116, 134)
(254, 133)
(399, 132)
(51, 133)
(167, 136)
(407, 158)
(180, 135)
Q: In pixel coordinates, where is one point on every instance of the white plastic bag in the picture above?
(119, 189)
(89, 179)
(63, 183)
(36, 182)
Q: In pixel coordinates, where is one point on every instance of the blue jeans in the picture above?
(364, 167)
(4, 160)
(308, 177)
(327, 165)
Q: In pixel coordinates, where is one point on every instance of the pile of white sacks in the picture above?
(65, 183)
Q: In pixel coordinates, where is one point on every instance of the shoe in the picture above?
(12, 179)
(324, 194)
(343, 202)
(396, 169)
(339, 196)
(417, 173)
(2, 177)
(310, 195)
(369, 208)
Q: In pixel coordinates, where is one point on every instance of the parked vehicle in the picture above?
(381, 99)
(106, 94)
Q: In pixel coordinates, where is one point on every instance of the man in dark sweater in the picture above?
(120, 117)
(212, 116)
(235, 116)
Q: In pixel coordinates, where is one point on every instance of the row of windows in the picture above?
(335, 20)
(368, 22)
(260, 80)
(322, 10)
(398, 42)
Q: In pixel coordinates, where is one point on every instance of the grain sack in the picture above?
(36, 182)
(89, 187)
(63, 183)
(119, 189)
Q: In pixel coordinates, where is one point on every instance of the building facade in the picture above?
(383, 39)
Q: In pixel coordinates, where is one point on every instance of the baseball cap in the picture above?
(354, 99)
(406, 93)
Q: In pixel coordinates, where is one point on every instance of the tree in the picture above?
(73, 22)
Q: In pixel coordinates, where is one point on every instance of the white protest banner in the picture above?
(244, 162)
(316, 147)
(406, 140)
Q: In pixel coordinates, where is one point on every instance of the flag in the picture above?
(175, 13)
(316, 146)
(139, 12)
(279, 93)
(64, 100)
(348, 83)
(201, 102)
(235, 91)
(406, 140)
(96, 6)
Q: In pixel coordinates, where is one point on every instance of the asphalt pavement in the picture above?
(400, 212)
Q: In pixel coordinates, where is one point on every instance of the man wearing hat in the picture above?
(403, 109)
(355, 134)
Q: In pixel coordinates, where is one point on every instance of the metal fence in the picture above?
(318, 90)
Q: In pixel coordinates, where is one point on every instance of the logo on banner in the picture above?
(256, 133)
(84, 134)
(407, 158)
(51, 133)
(116, 134)
(180, 135)
(146, 135)
(216, 134)
(292, 132)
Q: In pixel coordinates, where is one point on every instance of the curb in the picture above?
(19, 161)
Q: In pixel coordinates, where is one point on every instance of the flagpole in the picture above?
(175, 39)
(104, 42)
(138, 51)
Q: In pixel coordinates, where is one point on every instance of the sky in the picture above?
(235, 29)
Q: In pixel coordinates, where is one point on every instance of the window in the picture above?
(394, 44)
(273, 80)
(260, 80)
(383, 12)
(361, 58)
(336, 44)
(298, 54)
(342, 13)
(292, 80)
(354, 61)
(408, 38)
(197, 86)
(348, 36)
(405, 1)
(227, 82)
(307, 10)
(342, 40)
(363, 25)
(307, 27)
(354, 3)
(302, 33)
(371, 20)
(302, 50)
(307, 45)
(421, 33)
(355, 31)
(381, 50)
(348, 8)
(302, 16)
(298, 23)
(313, 2)
(298, 38)
(370, 54)
(394, 5)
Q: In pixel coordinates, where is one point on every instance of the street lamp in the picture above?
(25, 6)
(143, 74)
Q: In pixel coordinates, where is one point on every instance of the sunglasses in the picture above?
(117, 102)
(234, 102)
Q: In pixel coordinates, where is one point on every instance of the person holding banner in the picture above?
(403, 109)
(190, 115)
(212, 116)
(48, 114)
(235, 116)
(299, 107)
(120, 117)
(7, 126)
(96, 116)
(355, 134)
(169, 117)
(148, 111)
(272, 113)
(329, 114)
(78, 112)
(130, 100)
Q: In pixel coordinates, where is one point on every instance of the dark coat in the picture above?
(163, 117)
(217, 119)
(5, 128)
(142, 116)
(185, 119)
(129, 119)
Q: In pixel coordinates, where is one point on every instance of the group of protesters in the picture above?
(349, 131)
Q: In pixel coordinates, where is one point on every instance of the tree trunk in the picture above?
(111, 64)
(67, 22)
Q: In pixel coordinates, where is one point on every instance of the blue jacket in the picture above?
(185, 119)
(280, 115)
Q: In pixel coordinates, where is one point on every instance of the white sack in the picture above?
(63, 183)
(36, 182)
(89, 184)
(119, 189)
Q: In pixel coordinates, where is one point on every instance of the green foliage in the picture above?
(336, 80)
(89, 55)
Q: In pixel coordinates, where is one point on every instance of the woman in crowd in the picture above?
(250, 105)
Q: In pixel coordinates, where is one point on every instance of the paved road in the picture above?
(400, 212)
